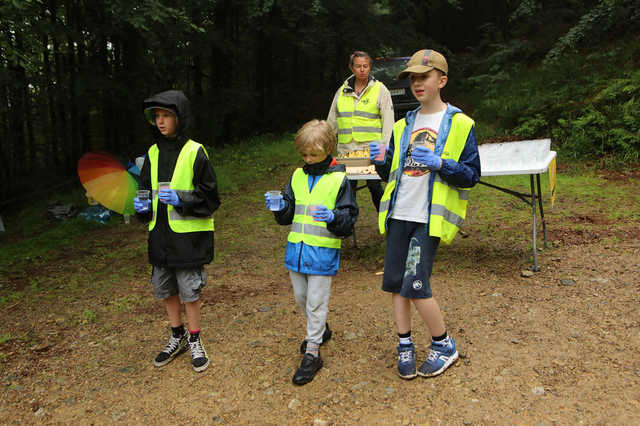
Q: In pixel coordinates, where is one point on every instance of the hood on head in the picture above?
(174, 101)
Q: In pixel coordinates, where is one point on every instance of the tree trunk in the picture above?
(16, 110)
(72, 71)
(6, 178)
(60, 90)
(49, 89)
(86, 92)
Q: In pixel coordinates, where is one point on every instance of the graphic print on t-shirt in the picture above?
(422, 136)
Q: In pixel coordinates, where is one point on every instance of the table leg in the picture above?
(544, 224)
(533, 208)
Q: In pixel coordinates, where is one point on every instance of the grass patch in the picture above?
(244, 164)
(586, 203)
(5, 338)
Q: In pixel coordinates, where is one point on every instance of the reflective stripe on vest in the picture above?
(182, 183)
(359, 122)
(448, 202)
(325, 192)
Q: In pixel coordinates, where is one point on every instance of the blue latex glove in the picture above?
(267, 202)
(424, 155)
(323, 214)
(141, 206)
(169, 196)
(375, 150)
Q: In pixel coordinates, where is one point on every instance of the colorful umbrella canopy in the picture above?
(107, 181)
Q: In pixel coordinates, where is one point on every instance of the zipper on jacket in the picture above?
(300, 256)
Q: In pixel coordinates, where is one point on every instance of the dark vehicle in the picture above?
(386, 70)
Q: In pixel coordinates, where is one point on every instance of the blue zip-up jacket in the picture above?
(464, 173)
(312, 260)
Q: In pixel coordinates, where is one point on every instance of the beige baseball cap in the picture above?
(424, 61)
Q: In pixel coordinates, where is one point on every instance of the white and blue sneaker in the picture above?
(441, 356)
(407, 361)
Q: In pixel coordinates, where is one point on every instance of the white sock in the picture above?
(313, 349)
(444, 342)
(405, 341)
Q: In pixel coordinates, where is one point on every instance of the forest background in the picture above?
(73, 73)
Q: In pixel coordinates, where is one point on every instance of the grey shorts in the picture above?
(187, 283)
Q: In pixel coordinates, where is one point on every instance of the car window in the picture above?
(388, 69)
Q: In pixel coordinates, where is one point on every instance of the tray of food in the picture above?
(364, 170)
(357, 158)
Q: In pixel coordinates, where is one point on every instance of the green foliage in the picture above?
(34, 239)
(595, 24)
(531, 126)
(589, 110)
(591, 24)
(5, 338)
(88, 316)
(609, 124)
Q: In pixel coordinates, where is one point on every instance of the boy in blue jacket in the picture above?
(431, 163)
(320, 206)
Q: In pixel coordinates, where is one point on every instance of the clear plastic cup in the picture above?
(164, 185)
(380, 157)
(312, 210)
(143, 194)
(274, 200)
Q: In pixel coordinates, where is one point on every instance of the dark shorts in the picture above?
(409, 259)
(187, 282)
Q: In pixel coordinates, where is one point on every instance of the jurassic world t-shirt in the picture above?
(412, 199)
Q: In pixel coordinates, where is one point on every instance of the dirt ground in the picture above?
(559, 347)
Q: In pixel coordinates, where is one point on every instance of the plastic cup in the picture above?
(312, 210)
(274, 200)
(380, 157)
(142, 194)
(164, 185)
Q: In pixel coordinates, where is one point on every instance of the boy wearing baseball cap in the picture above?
(430, 164)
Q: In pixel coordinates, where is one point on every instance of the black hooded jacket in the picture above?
(168, 248)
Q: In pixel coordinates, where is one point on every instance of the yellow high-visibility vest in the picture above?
(181, 182)
(325, 192)
(361, 122)
(448, 203)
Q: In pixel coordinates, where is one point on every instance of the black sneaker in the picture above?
(175, 347)
(326, 335)
(308, 369)
(199, 357)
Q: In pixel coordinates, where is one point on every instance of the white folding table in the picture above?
(530, 157)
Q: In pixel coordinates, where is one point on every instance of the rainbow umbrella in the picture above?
(107, 181)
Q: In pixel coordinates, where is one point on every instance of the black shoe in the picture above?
(325, 336)
(175, 347)
(307, 370)
(199, 357)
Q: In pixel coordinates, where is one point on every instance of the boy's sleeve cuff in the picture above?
(447, 166)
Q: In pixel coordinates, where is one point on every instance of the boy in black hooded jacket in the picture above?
(180, 220)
